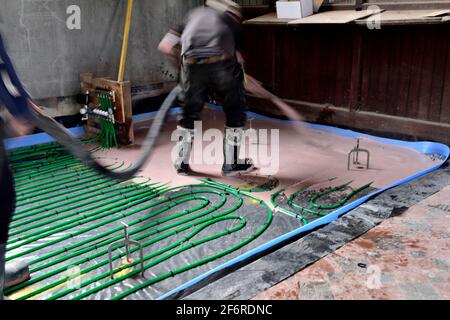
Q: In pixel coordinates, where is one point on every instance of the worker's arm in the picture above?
(18, 127)
(13, 96)
(170, 45)
(12, 93)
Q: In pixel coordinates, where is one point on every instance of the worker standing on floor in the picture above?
(13, 96)
(206, 47)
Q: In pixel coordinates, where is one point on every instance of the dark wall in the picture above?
(398, 70)
(406, 72)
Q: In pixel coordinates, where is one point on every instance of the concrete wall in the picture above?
(49, 57)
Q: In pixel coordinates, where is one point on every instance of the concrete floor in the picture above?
(296, 163)
(405, 257)
(386, 263)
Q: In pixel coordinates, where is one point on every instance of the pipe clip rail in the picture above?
(127, 242)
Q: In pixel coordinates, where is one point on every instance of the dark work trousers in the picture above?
(224, 78)
(7, 192)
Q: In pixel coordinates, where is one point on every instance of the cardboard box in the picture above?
(294, 9)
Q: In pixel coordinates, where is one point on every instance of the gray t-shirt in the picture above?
(208, 32)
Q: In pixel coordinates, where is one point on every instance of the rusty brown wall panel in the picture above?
(394, 67)
(259, 53)
(314, 64)
(427, 76)
(311, 63)
(414, 63)
(445, 105)
(383, 69)
(439, 73)
(343, 64)
(405, 70)
(399, 78)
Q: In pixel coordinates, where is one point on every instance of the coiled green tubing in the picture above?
(68, 215)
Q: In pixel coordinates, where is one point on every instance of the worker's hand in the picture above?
(255, 88)
(19, 127)
(22, 127)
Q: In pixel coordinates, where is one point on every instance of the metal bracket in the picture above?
(355, 152)
(127, 242)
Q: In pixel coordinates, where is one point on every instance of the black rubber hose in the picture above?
(76, 147)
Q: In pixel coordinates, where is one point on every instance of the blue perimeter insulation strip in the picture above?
(38, 138)
(423, 147)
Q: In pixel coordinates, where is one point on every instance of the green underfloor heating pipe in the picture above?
(50, 172)
(58, 206)
(258, 189)
(118, 200)
(313, 201)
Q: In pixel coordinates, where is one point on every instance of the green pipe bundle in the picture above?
(107, 136)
